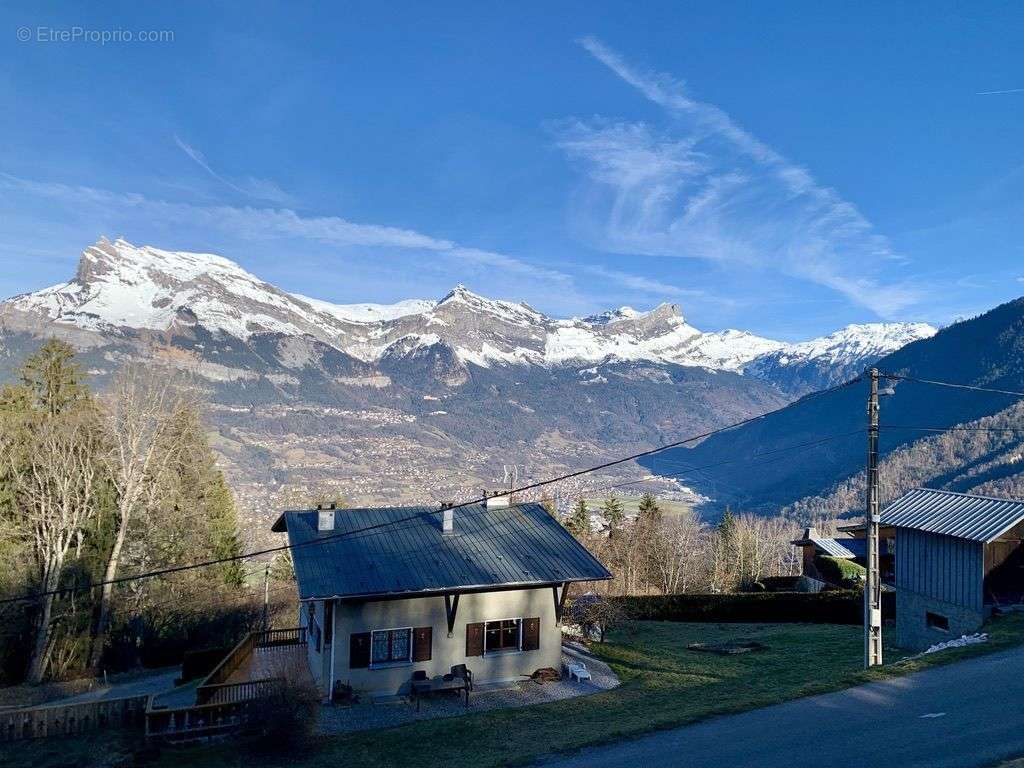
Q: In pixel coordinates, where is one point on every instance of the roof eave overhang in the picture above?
(999, 535)
(461, 590)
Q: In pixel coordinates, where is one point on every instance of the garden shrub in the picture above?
(829, 607)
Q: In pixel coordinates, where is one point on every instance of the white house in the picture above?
(386, 592)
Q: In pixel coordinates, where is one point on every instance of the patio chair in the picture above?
(579, 670)
(460, 670)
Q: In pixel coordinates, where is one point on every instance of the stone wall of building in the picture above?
(912, 625)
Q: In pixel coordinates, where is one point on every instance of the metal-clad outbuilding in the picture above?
(975, 518)
(956, 555)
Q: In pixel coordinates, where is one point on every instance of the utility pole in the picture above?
(266, 597)
(873, 583)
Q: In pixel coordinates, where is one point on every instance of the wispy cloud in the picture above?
(643, 284)
(1000, 93)
(706, 188)
(254, 223)
(259, 189)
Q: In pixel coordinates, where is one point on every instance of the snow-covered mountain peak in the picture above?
(121, 288)
(460, 298)
(861, 340)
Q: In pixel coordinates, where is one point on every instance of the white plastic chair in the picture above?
(579, 670)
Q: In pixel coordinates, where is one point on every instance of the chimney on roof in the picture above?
(325, 516)
(447, 517)
(497, 499)
(811, 533)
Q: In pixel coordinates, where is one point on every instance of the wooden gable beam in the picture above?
(559, 593)
(451, 608)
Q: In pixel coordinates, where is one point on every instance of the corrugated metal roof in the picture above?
(517, 545)
(976, 518)
(833, 548)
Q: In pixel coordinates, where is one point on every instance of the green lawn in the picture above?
(663, 685)
(631, 505)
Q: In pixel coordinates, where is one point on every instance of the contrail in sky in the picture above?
(997, 93)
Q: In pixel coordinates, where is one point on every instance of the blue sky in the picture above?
(785, 168)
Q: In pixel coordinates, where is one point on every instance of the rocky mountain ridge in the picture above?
(120, 289)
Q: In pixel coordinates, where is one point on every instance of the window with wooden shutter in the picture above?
(422, 639)
(359, 650)
(531, 634)
(475, 639)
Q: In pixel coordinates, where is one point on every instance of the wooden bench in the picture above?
(436, 685)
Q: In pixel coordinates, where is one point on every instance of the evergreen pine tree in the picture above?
(579, 521)
(727, 526)
(650, 512)
(52, 379)
(613, 513)
(197, 516)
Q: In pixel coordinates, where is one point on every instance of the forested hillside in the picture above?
(987, 350)
(982, 456)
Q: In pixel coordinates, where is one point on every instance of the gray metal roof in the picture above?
(519, 545)
(977, 518)
(827, 544)
(833, 548)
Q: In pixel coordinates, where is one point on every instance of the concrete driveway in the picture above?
(965, 714)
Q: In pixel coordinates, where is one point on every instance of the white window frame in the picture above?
(393, 663)
(503, 651)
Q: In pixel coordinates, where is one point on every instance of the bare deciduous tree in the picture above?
(54, 476)
(680, 564)
(140, 413)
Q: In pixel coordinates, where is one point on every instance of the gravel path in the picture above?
(371, 715)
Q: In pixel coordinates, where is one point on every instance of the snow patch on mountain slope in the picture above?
(613, 315)
(369, 313)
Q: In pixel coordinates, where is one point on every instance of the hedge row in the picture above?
(837, 570)
(844, 606)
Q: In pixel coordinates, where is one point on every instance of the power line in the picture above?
(378, 526)
(954, 428)
(937, 383)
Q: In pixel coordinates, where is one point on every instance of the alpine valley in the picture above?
(421, 400)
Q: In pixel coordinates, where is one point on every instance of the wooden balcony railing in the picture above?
(236, 657)
(230, 693)
(276, 637)
(239, 655)
(64, 719)
(199, 720)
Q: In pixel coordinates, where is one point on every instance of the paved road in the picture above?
(963, 715)
(152, 682)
